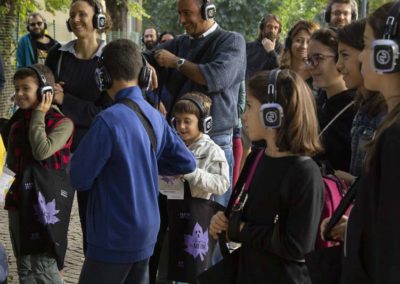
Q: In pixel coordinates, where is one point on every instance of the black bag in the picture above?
(190, 245)
(325, 264)
(225, 271)
(45, 209)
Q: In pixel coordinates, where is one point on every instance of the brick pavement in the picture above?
(73, 260)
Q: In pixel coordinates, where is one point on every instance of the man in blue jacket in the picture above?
(118, 162)
(34, 46)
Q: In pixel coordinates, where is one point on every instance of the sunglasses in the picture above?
(315, 59)
(34, 24)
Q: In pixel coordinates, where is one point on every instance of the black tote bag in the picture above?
(46, 204)
(190, 245)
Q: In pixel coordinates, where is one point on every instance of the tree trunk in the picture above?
(8, 47)
(118, 11)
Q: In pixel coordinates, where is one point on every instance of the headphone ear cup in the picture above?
(206, 124)
(68, 26)
(271, 115)
(328, 15)
(99, 21)
(208, 11)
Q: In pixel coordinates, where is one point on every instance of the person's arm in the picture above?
(2, 78)
(242, 99)
(191, 70)
(21, 61)
(91, 155)
(45, 144)
(229, 62)
(214, 178)
(295, 235)
(174, 158)
(387, 261)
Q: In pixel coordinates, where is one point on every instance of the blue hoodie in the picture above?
(116, 163)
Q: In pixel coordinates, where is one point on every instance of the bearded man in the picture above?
(33, 47)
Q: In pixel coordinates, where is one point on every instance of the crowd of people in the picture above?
(219, 144)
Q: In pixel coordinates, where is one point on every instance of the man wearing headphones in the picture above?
(34, 46)
(150, 38)
(117, 163)
(341, 12)
(263, 53)
(207, 59)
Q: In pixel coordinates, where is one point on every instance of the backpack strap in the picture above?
(149, 129)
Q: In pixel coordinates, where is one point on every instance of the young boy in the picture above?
(192, 251)
(37, 134)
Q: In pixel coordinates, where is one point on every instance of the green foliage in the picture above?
(136, 10)
(239, 15)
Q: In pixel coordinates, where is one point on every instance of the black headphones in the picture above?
(205, 121)
(386, 50)
(271, 113)
(44, 87)
(208, 10)
(43, 19)
(328, 12)
(261, 24)
(99, 18)
(104, 80)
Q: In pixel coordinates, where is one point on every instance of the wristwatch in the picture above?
(179, 63)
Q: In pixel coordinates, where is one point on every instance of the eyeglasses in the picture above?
(37, 23)
(337, 13)
(315, 59)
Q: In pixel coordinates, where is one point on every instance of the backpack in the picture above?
(334, 189)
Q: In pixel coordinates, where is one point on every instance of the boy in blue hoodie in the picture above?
(118, 162)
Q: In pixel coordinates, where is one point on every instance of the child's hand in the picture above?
(218, 224)
(45, 104)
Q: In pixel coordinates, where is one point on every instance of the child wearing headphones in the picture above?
(372, 239)
(280, 192)
(37, 134)
(192, 120)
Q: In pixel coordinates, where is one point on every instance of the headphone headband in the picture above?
(391, 24)
(197, 103)
(39, 75)
(271, 85)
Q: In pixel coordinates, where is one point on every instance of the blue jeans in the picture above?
(117, 273)
(225, 142)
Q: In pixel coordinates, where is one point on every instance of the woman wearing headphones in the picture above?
(334, 100)
(372, 241)
(283, 187)
(74, 65)
(295, 49)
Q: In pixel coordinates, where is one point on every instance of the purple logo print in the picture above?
(168, 180)
(197, 243)
(46, 212)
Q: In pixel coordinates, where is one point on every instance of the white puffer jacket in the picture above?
(212, 172)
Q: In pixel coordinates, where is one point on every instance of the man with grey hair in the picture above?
(33, 47)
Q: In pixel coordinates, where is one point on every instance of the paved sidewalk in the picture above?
(74, 258)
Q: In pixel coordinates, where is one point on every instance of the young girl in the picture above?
(372, 241)
(280, 219)
(371, 108)
(332, 100)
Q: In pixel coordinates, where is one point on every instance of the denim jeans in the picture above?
(225, 142)
(117, 273)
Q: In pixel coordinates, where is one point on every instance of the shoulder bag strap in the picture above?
(336, 117)
(149, 129)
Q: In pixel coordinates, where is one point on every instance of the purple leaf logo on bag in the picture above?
(197, 243)
(46, 212)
